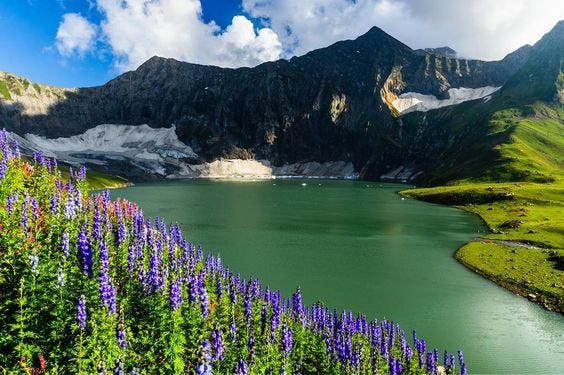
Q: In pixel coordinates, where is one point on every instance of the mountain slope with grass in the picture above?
(510, 171)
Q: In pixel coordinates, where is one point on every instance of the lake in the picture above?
(360, 246)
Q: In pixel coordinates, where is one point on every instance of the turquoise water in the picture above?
(360, 246)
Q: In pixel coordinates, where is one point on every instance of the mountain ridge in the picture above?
(334, 103)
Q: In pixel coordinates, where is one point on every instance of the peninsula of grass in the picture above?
(524, 251)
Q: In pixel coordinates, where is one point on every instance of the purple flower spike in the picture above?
(81, 313)
(242, 368)
(286, 340)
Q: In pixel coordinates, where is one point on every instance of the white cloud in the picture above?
(479, 28)
(138, 29)
(75, 35)
(135, 30)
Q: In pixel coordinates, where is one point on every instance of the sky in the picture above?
(77, 43)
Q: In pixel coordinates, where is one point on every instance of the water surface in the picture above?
(360, 246)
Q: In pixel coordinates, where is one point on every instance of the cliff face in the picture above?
(334, 103)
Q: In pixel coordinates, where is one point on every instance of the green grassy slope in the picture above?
(508, 167)
(520, 195)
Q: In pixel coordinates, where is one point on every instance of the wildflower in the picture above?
(81, 313)
(122, 343)
(34, 263)
(119, 369)
(84, 252)
(203, 295)
(10, 201)
(242, 368)
(204, 368)
(65, 243)
(297, 305)
(217, 342)
(286, 340)
(233, 331)
(34, 208)
(175, 295)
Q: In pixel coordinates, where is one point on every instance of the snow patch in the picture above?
(142, 140)
(413, 101)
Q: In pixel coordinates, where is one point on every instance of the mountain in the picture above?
(372, 104)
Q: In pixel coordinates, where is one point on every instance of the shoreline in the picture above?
(550, 301)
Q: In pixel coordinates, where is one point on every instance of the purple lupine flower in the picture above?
(452, 362)
(286, 340)
(81, 313)
(392, 365)
(34, 208)
(10, 201)
(16, 147)
(65, 244)
(204, 368)
(120, 368)
(355, 360)
(39, 158)
(135, 371)
(233, 331)
(463, 370)
(398, 367)
(408, 355)
(217, 343)
(54, 203)
(154, 269)
(70, 206)
(242, 368)
(175, 295)
(107, 290)
(3, 168)
(81, 176)
(248, 308)
(24, 221)
(297, 305)
(96, 224)
(34, 263)
(431, 365)
(121, 337)
(121, 234)
(251, 344)
(131, 256)
(460, 357)
(203, 296)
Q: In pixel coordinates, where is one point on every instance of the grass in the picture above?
(98, 180)
(529, 209)
(4, 90)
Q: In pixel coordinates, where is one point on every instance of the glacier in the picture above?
(413, 101)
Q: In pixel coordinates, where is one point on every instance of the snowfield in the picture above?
(413, 101)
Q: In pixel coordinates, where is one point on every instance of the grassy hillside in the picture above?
(527, 209)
